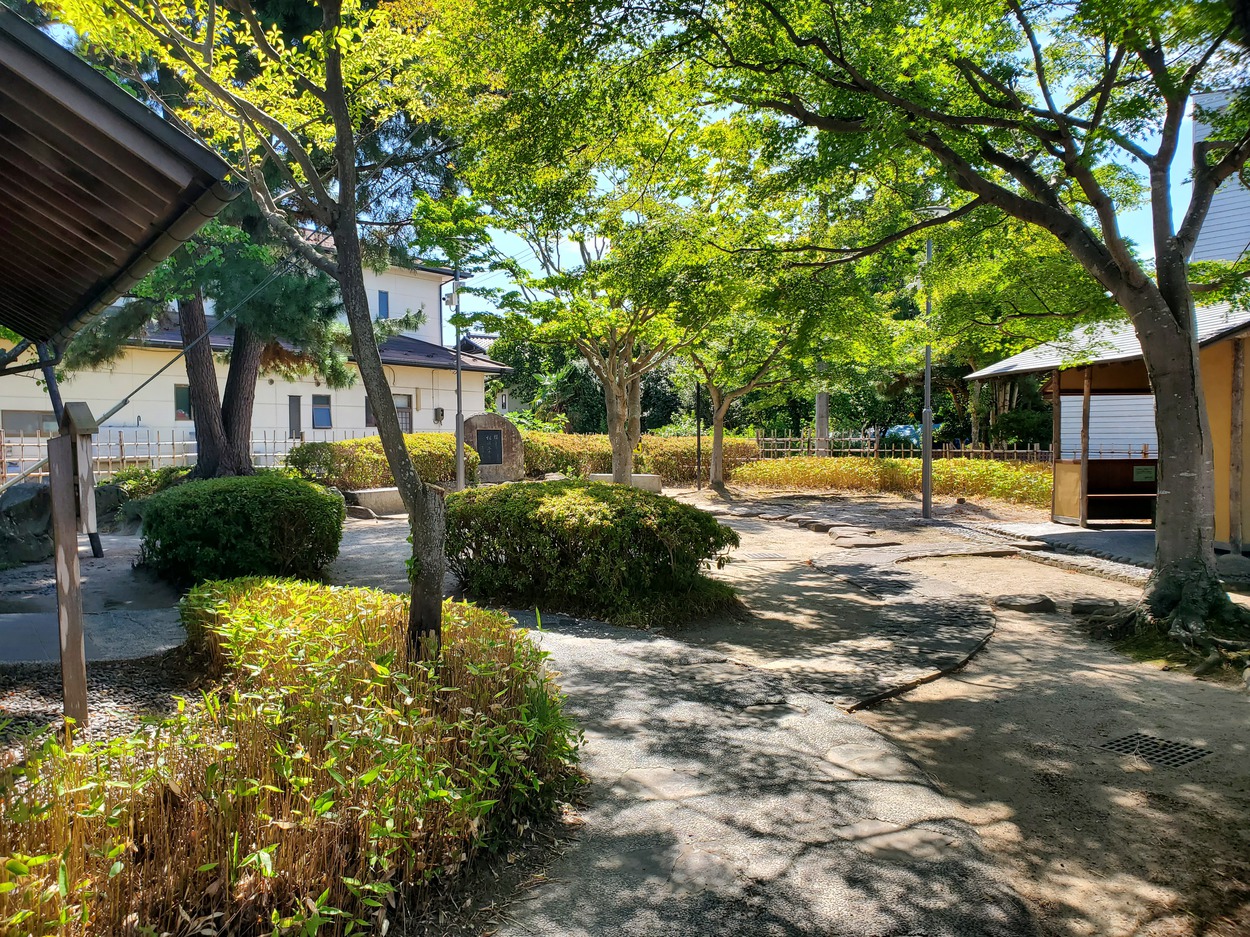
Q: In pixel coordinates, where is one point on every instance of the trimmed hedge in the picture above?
(354, 464)
(316, 791)
(673, 458)
(631, 556)
(1021, 482)
(246, 526)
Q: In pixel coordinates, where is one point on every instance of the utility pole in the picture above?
(926, 417)
(698, 439)
(455, 299)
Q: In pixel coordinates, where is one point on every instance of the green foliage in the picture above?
(634, 557)
(576, 455)
(355, 464)
(314, 792)
(1021, 482)
(141, 482)
(671, 457)
(244, 526)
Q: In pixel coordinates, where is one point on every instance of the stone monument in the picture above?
(498, 444)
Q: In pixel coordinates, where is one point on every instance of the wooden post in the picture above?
(68, 582)
(1236, 445)
(1056, 434)
(1084, 503)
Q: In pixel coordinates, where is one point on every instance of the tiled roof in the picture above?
(1108, 341)
(400, 350)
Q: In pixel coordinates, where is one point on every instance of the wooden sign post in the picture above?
(69, 460)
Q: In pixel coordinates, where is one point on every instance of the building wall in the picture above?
(1225, 234)
(1216, 362)
(153, 408)
(415, 291)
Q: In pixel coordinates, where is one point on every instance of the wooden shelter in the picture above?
(1104, 443)
(95, 191)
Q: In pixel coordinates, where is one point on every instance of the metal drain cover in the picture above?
(761, 556)
(1159, 752)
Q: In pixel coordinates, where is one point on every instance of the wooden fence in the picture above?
(116, 449)
(844, 444)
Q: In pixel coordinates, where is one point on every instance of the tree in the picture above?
(223, 264)
(298, 109)
(1035, 111)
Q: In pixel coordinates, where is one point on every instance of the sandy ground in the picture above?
(1101, 844)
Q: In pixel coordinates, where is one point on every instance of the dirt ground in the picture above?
(1100, 844)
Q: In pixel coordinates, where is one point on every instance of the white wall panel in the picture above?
(1121, 426)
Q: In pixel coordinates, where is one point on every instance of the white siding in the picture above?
(1120, 425)
(1225, 234)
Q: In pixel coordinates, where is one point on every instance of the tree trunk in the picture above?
(239, 398)
(212, 456)
(424, 502)
(1183, 591)
(720, 408)
(616, 398)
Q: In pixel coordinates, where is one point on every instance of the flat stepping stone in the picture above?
(1025, 603)
(836, 532)
(855, 543)
(819, 527)
(1091, 605)
(802, 519)
(773, 516)
(746, 512)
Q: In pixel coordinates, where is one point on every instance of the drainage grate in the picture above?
(1156, 751)
(761, 556)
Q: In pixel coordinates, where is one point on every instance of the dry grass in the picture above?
(1019, 482)
(323, 783)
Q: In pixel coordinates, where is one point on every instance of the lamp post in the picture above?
(926, 416)
(454, 301)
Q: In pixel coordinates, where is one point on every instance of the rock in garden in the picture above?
(1233, 566)
(25, 524)
(819, 526)
(360, 513)
(108, 498)
(1025, 603)
(1092, 605)
(775, 516)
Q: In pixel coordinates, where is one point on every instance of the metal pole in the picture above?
(459, 403)
(926, 417)
(698, 440)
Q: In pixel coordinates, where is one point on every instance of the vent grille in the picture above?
(1159, 752)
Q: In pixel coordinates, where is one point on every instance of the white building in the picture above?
(157, 424)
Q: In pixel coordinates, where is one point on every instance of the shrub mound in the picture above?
(1021, 482)
(140, 482)
(265, 524)
(355, 464)
(321, 784)
(673, 458)
(633, 557)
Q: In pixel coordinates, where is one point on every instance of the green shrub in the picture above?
(255, 525)
(671, 457)
(574, 454)
(355, 464)
(322, 784)
(607, 550)
(139, 482)
(1021, 482)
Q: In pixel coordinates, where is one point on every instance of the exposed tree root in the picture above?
(1192, 610)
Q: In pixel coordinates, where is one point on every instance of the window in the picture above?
(27, 422)
(321, 411)
(182, 402)
(384, 304)
(403, 408)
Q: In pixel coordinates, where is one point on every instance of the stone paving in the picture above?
(725, 801)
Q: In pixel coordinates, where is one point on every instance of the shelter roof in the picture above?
(95, 188)
(1109, 341)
